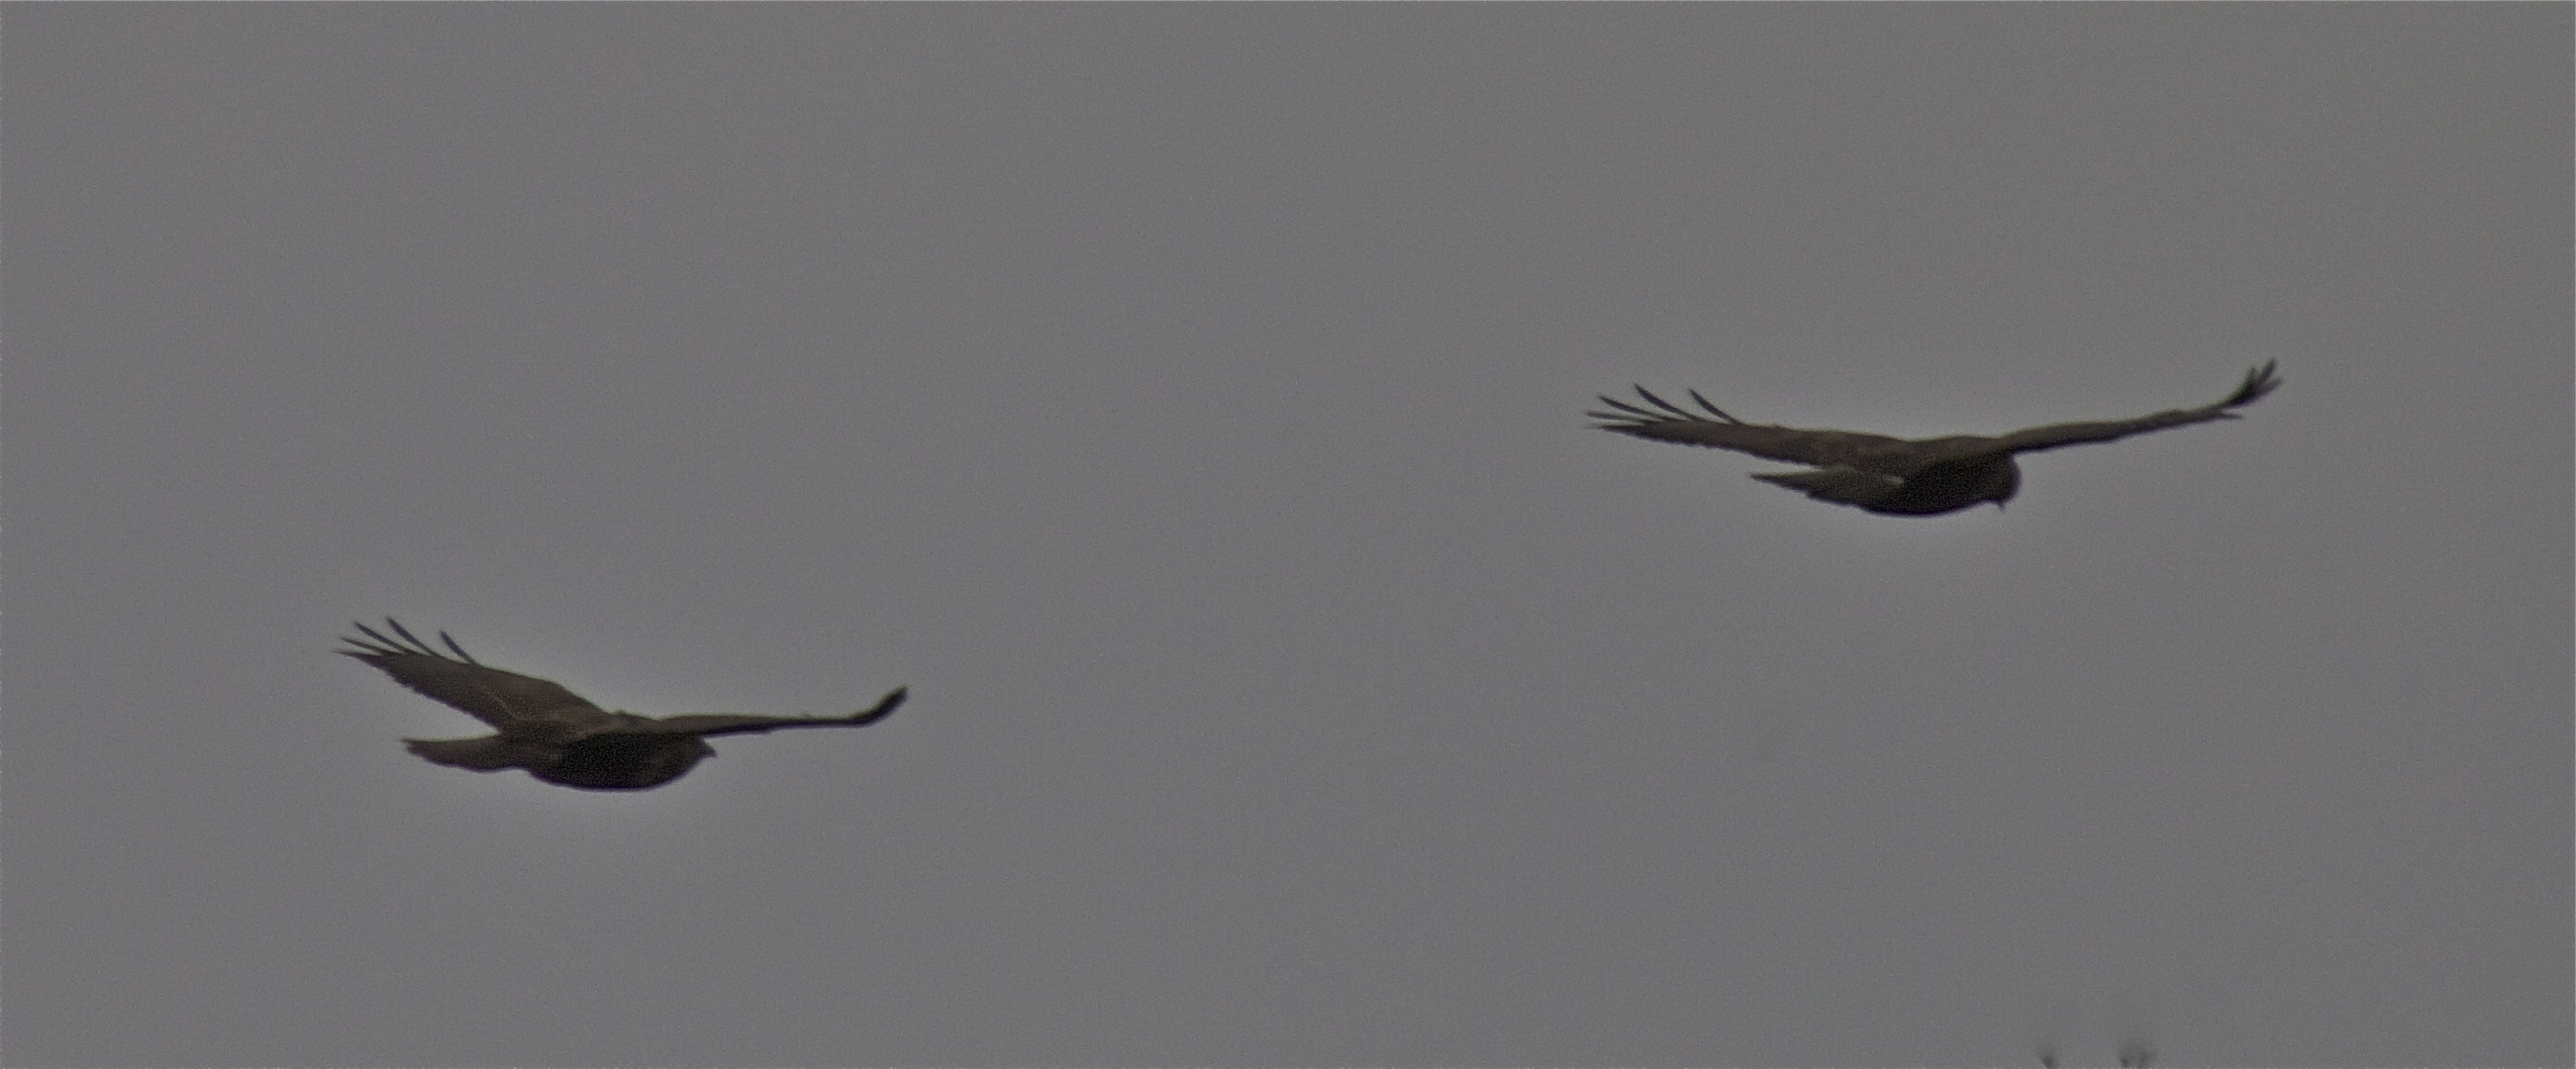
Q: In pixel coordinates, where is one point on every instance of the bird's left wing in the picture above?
(510, 702)
(2258, 382)
(1793, 445)
(703, 724)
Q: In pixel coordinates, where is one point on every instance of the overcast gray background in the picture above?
(1186, 402)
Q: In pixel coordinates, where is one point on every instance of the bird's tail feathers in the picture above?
(490, 753)
(1843, 486)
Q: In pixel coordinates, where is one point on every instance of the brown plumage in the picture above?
(555, 734)
(1899, 476)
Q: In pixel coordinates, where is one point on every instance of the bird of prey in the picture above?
(1899, 476)
(555, 734)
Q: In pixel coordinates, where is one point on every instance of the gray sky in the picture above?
(1186, 402)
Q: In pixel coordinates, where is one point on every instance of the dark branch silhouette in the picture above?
(556, 735)
(1898, 476)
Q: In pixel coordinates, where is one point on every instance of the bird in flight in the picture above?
(1899, 476)
(555, 734)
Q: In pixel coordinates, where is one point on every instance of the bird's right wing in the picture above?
(704, 724)
(1717, 430)
(2259, 381)
(510, 702)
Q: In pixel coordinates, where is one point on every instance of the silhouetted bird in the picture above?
(555, 734)
(1899, 476)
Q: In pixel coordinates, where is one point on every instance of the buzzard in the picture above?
(557, 735)
(1900, 476)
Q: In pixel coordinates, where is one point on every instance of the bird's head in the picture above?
(2001, 484)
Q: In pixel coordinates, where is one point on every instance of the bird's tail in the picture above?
(1842, 486)
(487, 754)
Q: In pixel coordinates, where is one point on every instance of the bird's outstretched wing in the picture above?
(704, 724)
(510, 702)
(2258, 382)
(1717, 430)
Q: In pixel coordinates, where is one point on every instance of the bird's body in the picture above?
(554, 734)
(1899, 476)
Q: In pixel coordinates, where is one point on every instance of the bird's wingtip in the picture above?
(885, 707)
